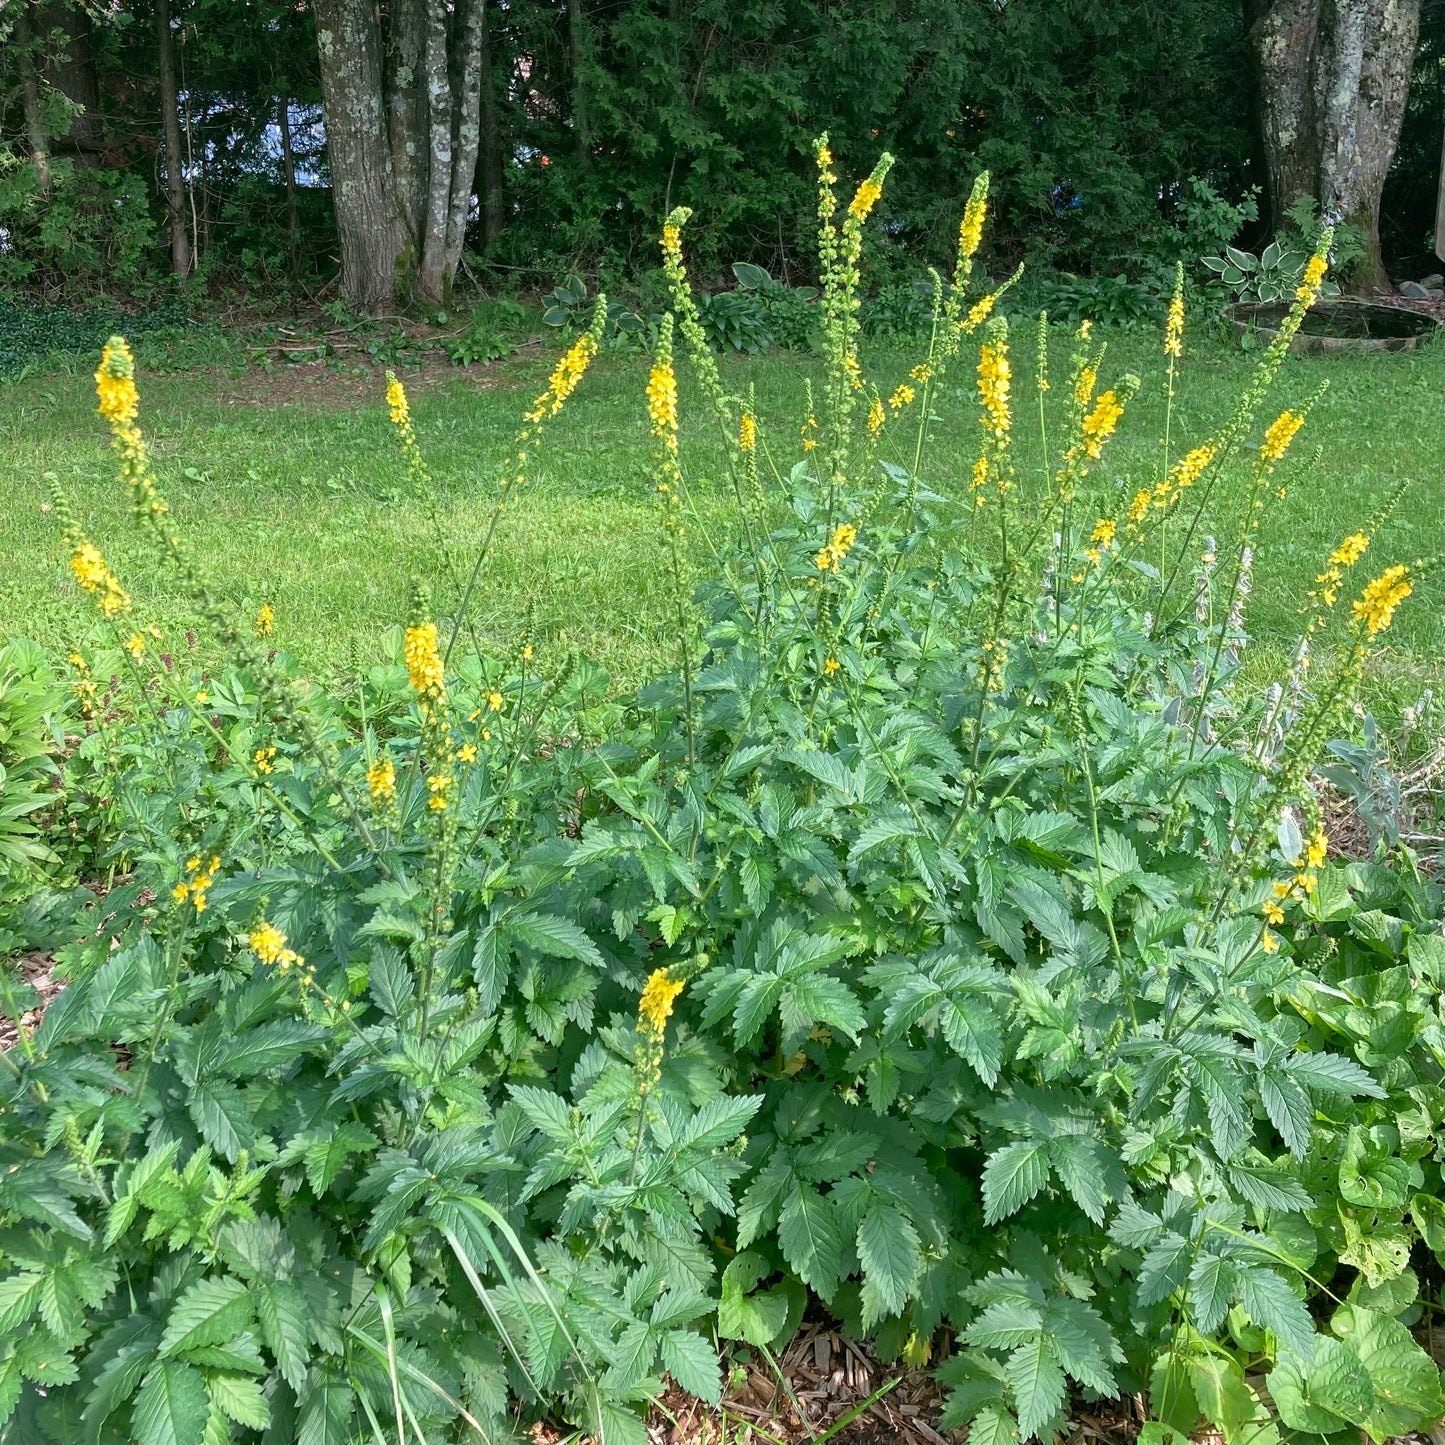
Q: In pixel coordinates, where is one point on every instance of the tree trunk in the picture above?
(71, 71)
(35, 136)
(363, 190)
(1334, 76)
(577, 39)
(431, 281)
(171, 129)
(489, 140)
(1440, 208)
(288, 174)
(471, 29)
(407, 117)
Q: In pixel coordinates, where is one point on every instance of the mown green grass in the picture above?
(309, 508)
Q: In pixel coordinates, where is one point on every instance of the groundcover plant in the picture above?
(948, 947)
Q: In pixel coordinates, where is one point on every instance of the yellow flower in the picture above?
(1139, 506)
(970, 229)
(1309, 286)
(1084, 387)
(980, 475)
(1274, 913)
(115, 384)
(1174, 329)
(1104, 530)
(438, 785)
(1349, 551)
(864, 199)
(854, 370)
(921, 373)
(565, 376)
(263, 758)
(830, 666)
(495, 701)
(381, 780)
(202, 697)
(1269, 942)
(902, 397)
(876, 417)
(179, 892)
(527, 653)
(662, 403)
(978, 313)
(1319, 846)
(672, 242)
(198, 884)
(265, 621)
(747, 432)
(97, 579)
(268, 943)
(423, 661)
(654, 1008)
(135, 644)
(1381, 597)
(467, 753)
(810, 437)
(1099, 424)
(1280, 435)
(830, 556)
(993, 389)
(396, 401)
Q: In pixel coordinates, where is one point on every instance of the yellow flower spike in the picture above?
(1280, 434)
(98, 580)
(994, 376)
(979, 479)
(396, 402)
(439, 786)
(381, 780)
(902, 397)
(265, 621)
(876, 417)
(1174, 328)
(979, 312)
(1377, 603)
(423, 661)
(1084, 387)
(654, 1008)
(1098, 426)
(975, 211)
(119, 402)
(662, 403)
(864, 199)
(264, 759)
(268, 943)
(1103, 533)
(135, 644)
(747, 432)
(831, 555)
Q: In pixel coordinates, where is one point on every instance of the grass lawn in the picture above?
(304, 503)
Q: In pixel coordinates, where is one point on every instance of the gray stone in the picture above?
(1434, 283)
(1414, 291)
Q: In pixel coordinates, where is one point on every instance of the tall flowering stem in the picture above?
(119, 403)
(1306, 294)
(564, 380)
(667, 489)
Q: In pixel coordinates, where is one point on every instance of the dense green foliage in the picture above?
(949, 945)
(1092, 117)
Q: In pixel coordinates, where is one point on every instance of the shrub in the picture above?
(948, 946)
(29, 700)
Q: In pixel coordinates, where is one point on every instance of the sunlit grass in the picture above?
(309, 508)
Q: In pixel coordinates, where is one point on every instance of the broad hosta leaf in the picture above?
(1012, 1177)
(172, 1406)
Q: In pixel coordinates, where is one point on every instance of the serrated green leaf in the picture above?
(211, 1312)
(693, 1363)
(172, 1407)
(1212, 1285)
(282, 1314)
(888, 1248)
(239, 1398)
(1270, 1302)
(1037, 1382)
(811, 1240)
(1012, 1176)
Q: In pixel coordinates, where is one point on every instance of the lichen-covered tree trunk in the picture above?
(407, 117)
(362, 184)
(171, 131)
(454, 109)
(1334, 76)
